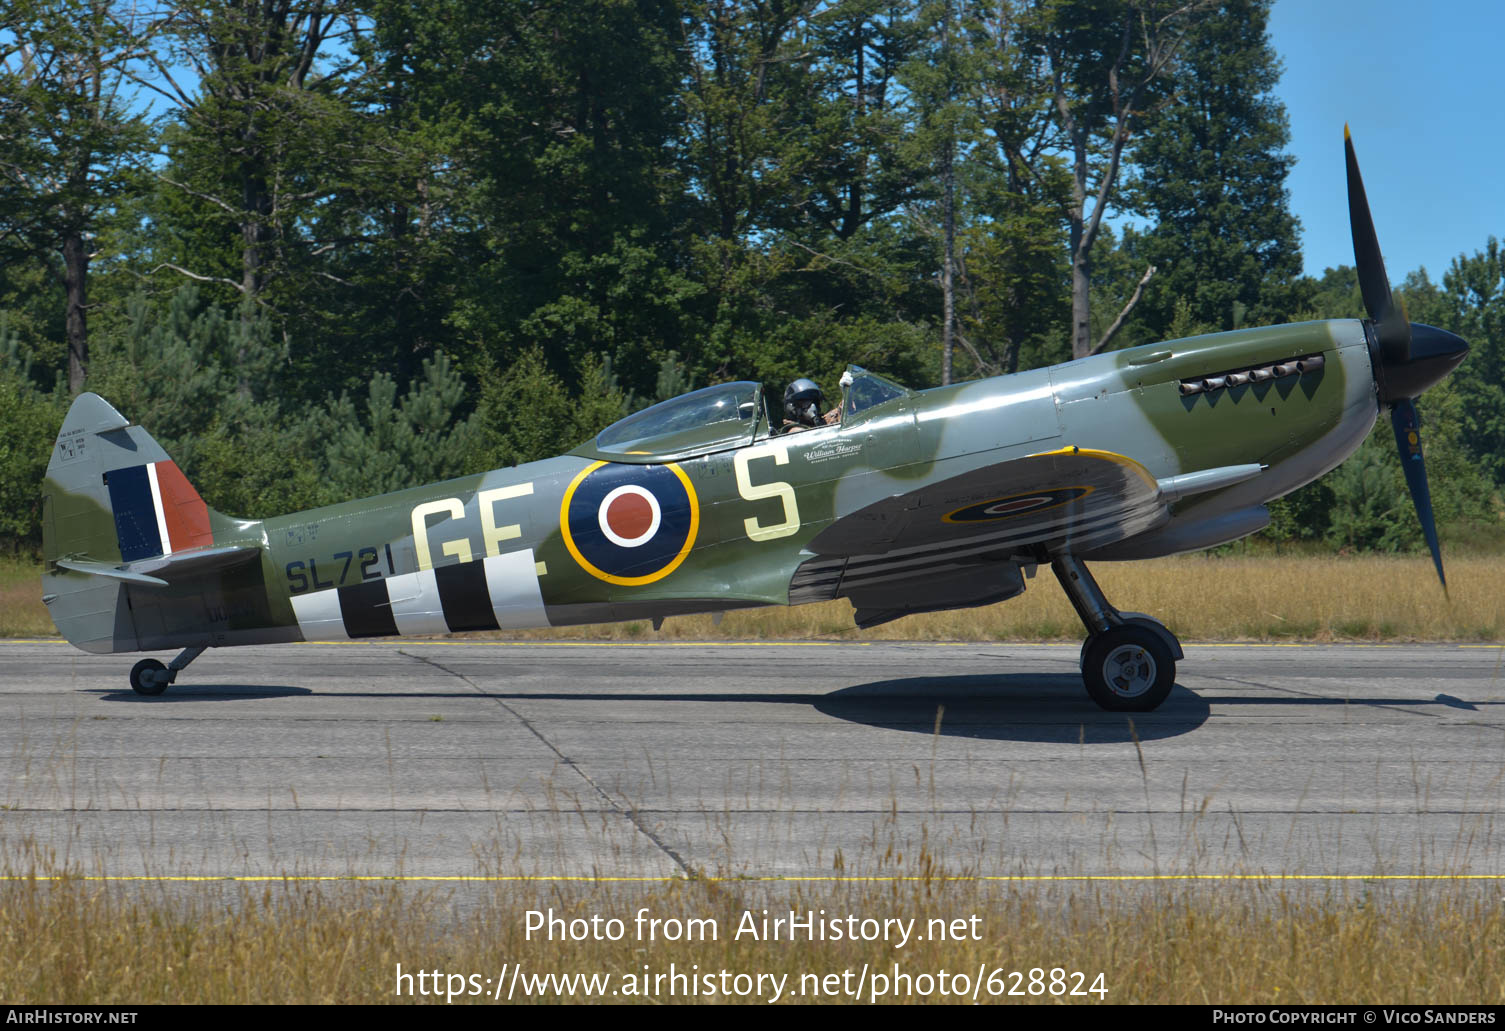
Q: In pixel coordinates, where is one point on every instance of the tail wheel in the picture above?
(149, 677)
(1128, 669)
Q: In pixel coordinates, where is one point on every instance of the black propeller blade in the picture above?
(1390, 323)
(1404, 366)
(1408, 442)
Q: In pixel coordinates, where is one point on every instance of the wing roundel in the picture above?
(1079, 496)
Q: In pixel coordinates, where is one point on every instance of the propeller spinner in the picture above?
(1408, 357)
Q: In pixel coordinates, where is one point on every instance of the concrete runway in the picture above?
(444, 758)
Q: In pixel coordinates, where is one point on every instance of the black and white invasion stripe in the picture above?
(498, 593)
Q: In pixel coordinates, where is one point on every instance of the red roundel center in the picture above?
(1017, 505)
(629, 515)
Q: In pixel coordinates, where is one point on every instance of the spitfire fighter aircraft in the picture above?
(904, 501)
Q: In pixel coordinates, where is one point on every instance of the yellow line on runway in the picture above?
(680, 878)
(398, 642)
(869, 644)
(408, 642)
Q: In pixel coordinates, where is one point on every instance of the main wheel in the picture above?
(149, 677)
(1128, 669)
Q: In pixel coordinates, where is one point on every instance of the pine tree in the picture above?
(388, 444)
(68, 139)
(1211, 172)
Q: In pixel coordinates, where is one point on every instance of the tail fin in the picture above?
(112, 497)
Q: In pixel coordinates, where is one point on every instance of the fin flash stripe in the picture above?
(183, 512)
(157, 511)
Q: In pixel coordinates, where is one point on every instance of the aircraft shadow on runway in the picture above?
(1006, 707)
(205, 693)
(1391, 702)
(1031, 707)
(1034, 707)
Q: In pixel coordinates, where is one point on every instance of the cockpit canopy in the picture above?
(710, 419)
(719, 418)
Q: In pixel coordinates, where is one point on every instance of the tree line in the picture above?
(326, 248)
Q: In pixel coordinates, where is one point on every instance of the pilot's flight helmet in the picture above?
(802, 400)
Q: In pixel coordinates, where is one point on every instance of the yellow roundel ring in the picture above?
(1016, 505)
(629, 524)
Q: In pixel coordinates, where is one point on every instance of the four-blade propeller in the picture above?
(1408, 357)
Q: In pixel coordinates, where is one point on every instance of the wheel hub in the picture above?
(1129, 670)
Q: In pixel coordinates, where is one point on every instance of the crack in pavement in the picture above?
(630, 815)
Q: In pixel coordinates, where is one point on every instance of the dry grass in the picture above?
(22, 613)
(77, 942)
(1200, 597)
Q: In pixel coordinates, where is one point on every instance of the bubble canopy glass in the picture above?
(710, 419)
(719, 418)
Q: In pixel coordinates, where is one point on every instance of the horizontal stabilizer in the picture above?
(196, 561)
(162, 570)
(78, 565)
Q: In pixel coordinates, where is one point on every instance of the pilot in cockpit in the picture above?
(802, 404)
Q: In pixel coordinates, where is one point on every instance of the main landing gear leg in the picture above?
(1129, 659)
(150, 677)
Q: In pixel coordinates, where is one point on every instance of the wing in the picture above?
(949, 544)
(1074, 496)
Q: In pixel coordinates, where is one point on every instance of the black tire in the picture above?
(1128, 669)
(149, 677)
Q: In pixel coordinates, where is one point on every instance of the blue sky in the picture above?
(1422, 84)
